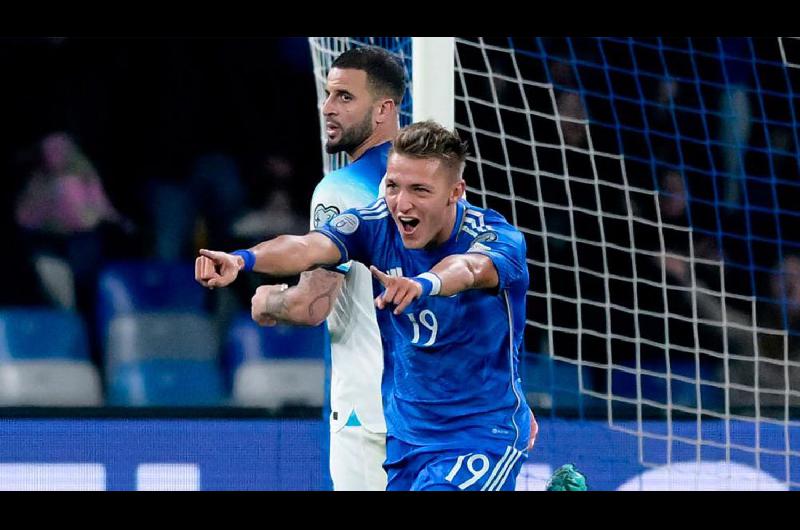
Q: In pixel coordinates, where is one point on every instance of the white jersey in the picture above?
(356, 350)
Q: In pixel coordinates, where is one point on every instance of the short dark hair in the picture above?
(385, 73)
(428, 139)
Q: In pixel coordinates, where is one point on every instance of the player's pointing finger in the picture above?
(209, 254)
(383, 278)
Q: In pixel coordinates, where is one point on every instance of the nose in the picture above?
(327, 107)
(404, 204)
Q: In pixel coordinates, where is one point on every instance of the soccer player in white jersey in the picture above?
(365, 87)
(451, 316)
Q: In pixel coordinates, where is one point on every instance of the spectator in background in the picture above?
(736, 117)
(275, 215)
(214, 187)
(61, 210)
(761, 335)
(270, 192)
(674, 205)
(64, 195)
(772, 362)
(572, 115)
(763, 350)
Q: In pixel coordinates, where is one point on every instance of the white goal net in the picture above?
(657, 183)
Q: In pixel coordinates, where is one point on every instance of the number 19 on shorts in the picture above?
(478, 469)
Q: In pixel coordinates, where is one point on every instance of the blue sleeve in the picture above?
(505, 246)
(349, 232)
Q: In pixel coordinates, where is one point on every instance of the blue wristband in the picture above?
(248, 257)
(430, 282)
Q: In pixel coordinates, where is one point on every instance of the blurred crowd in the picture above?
(148, 150)
(695, 137)
(120, 159)
(151, 149)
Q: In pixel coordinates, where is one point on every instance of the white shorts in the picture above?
(356, 460)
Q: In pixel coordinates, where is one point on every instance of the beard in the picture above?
(351, 138)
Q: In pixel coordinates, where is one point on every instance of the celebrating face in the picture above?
(421, 193)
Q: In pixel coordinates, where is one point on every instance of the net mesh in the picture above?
(656, 181)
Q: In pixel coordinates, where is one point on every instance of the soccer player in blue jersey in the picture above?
(451, 315)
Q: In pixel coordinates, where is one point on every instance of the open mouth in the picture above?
(331, 129)
(409, 224)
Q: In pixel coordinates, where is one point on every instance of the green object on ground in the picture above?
(567, 478)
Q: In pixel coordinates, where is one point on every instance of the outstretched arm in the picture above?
(452, 275)
(308, 303)
(462, 272)
(282, 256)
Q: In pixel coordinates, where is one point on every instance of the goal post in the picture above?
(433, 79)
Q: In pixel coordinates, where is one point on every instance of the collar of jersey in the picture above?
(377, 150)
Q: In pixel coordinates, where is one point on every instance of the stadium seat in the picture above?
(550, 383)
(247, 341)
(275, 383)
(44, 359)
(683, 384)
(166, 382)
(42, 333)
(275, 366)
(50, 383)
(160, 335)
(137, 286)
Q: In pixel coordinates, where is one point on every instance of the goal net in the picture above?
(656, 181)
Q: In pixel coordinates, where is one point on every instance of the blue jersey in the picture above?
(455, 375)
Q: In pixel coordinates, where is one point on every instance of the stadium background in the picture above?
(139, 379)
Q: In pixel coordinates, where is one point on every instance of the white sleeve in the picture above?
(382, 187)
(327, 203)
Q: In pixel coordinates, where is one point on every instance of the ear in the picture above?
(384, 111)
(456, 192)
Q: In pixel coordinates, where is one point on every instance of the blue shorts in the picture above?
(479, 468)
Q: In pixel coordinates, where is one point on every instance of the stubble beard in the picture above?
(351, 138)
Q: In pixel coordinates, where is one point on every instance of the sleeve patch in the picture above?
(323, 214)
(345, 223)
(477, 244)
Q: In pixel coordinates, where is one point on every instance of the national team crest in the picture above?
(323, 214)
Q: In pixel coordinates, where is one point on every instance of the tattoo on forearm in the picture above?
(329, 290)
(318, 290)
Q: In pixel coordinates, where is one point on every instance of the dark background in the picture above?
(144, 110)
